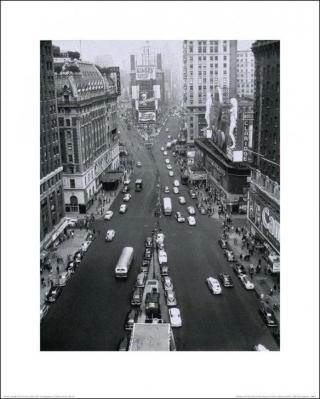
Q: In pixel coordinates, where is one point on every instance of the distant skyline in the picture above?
(120, 50)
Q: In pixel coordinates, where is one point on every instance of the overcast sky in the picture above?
(120, 50)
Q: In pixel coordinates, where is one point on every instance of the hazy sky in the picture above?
(120, 50)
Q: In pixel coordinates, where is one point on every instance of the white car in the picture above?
(246, 282)
(165, 153)
(162, 148)
(126, 182)
(127, 197)
(171, 298)
(175, 190)
(176, 183)
(123, 208)
(182, 200)
(179, 217)
(162, 256)
(170, 173)
(64, 277)
(229, 255)
(166, 189)
(108, 215)
(169, 167)
(191, 210)
(167, 161)
(169, 137)
(71, 222)
(160, 238)
(86, 245)
(260, 348)
(191, 220)
(110, 235)
(214, 286)
(175, 318)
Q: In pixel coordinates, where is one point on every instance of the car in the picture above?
(192, 194)
(71, 222)
(123, 343)
(176, 183)
(166, 189)
(179, 217)
(167, 129)
(182, 200)
(191, 220)
(138, 164)
(147, 254)
(162, 148)
(169, 167)
(229, 255)
(260, 348)
(64, 277)
(71, 266)
(268, 315)
(175, 190)
(170, 173)
(148, 242)
(214, 286)
(191, 210)
(160, 238)
(110, 235)
(141, 280)
(108, 215)
(53, 293)
(169, 137)
(43, 311)
(225, 280)
(202, 210)
(127, 197)
(239, 269)
(126, 182)
(85, 245)
(171, 298)
(175, 318)
(167, 283)
(162, 256)
(223, 243)
(165, 153)
(167, 161)
(136, 297)
(125, 189)
(132, 317)
(246, 282)
(145, 266)
(123, 208)
(164, 270)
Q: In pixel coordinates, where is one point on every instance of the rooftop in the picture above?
(150, 337)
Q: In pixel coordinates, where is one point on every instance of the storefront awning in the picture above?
(110, 177)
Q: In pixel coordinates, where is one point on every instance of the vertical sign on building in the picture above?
(247, 127)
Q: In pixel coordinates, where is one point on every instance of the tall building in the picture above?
(245, 73)
(206, 64)
(51, 191)
(87, 115)
(264, 194)
(147, 86)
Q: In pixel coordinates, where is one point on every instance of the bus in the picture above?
(124, 263)
(138, 185)
(167, 207)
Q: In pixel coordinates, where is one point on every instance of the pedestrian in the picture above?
(275, 287)
(271, 292)
(43, 282)
(58, 270)
(259, 262)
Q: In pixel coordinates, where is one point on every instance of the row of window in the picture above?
(50, 182)
(67, 122)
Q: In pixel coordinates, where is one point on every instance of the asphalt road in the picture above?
(91, 311)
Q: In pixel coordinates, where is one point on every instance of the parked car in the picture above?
(165, 153)
(225, 280)
(192, 194)
(166, 189)
(191, 210)
(139, 164)
(167, 161)
(182, 200)
(141, 280)
(175, 190)
(223, 243)
(169, 167)
(162, 148)
(123, 208)
(136, 297)
(53, 293)
(147, 254)
(127, 197)
(108, 215)
(110, 235)
(171, 298)
(132, 317)
(85, 246)
(175, 317)
(71, 266)
(179, 217)
(214, 286)
(164, 270)
(171, 173)
(148, 242)
(268, 315)
(145, 266)
(167, 283)
(64, 277)
(202, 210)
(160, 238)
(176, 183)
(125, 189)
(123, 343)
(126, 182)
(246, 282)
(260, 348)
(229, 255)
(239, 269)
(191, 220)
(162, 256)
(43, 311)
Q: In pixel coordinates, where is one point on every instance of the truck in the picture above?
(152, 304)
(167, 206)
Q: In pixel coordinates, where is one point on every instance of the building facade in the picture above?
(264, 195)
(245, 73)
(87, 117)
(51, 190)
(206, 64)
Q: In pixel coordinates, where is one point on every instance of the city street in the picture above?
(91, 311)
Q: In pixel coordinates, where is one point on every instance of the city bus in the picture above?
(124, 263)
(138, 185)
(167, 206)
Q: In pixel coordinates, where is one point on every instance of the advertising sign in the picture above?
(147, 116)
(247, 126)
(146, 100)
(145, 72)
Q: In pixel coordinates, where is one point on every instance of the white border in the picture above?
(293, 371)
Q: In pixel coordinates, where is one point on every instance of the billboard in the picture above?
(146, 99)
(145, 72)
(147, 116)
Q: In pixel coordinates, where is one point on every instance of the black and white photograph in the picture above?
(143, 146)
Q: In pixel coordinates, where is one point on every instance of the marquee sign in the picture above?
(145, 72)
